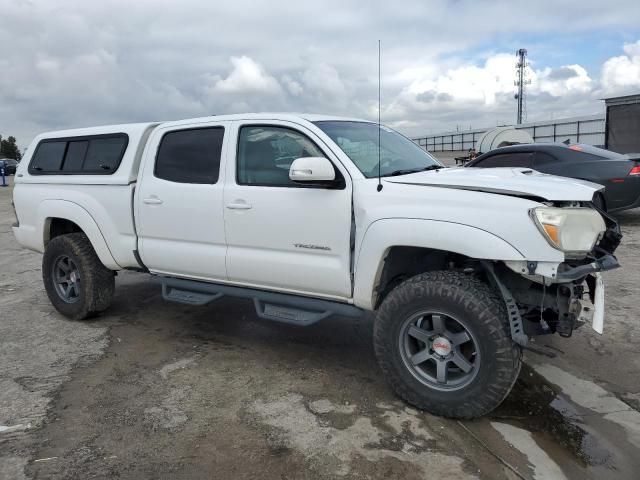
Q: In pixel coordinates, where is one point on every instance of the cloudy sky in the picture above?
(66, 63)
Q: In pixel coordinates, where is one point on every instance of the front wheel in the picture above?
(443, 341)
(78, 285)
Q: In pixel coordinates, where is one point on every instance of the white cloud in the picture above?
(247, 76)
(483, 94)
(292, 86)
(622, 73)
(479, 85)
(565, 80)
(323, 80)
(487, 84)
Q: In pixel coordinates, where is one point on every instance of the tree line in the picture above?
(9, 148)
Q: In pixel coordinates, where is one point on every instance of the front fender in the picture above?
(67, 210)
(383, 234)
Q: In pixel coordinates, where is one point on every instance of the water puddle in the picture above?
(543, 410)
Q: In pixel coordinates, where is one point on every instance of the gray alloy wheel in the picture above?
(66, 278)
(78, 285)
(439, 351)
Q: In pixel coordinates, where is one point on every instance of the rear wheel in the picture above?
(443, 341)
(78, 285)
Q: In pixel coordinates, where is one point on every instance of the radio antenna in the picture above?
(379, 110)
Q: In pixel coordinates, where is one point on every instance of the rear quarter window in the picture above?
(87, 155)
(593, 153)
(570, 155)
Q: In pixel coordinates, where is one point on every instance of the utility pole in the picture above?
(521, 82)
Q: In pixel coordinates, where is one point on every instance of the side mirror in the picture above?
(312, 169)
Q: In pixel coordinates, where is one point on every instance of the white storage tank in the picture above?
(502, 137)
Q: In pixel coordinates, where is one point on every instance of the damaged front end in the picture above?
(547, 298)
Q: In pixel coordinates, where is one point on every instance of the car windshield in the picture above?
(359, 140)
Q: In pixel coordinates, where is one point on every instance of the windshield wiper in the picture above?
(413, 170)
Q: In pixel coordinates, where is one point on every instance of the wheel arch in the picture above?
(59, 217)
(397, 248)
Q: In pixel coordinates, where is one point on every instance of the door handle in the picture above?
(238, 205)
(152, 201)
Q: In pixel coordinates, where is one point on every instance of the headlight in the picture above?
(572, 230)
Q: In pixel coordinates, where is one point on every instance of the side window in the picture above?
(75, 156)
(48, 157)
(265, 154)
(90, 155)
(543, 159)
(190, 156)
(103, 154)
(515, 159)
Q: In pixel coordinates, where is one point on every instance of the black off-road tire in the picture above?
(97, 282)
(484, 314)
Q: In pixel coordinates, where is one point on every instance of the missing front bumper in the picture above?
(602, 264)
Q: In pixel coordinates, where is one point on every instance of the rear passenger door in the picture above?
(178, 202)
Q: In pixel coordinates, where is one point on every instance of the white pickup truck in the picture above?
(312, 215)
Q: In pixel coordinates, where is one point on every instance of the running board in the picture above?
(280, 307)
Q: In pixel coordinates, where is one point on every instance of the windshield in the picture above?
(359, 140)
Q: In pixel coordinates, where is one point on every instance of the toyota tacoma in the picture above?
(310, 216)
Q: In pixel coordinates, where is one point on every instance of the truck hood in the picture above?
(520, 182)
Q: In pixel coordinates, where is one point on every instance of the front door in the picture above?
(179, 216)
(282, 235)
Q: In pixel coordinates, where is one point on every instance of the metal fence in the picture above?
(587, 129)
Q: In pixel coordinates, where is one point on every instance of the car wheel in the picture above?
(443, 341)
(78, 285)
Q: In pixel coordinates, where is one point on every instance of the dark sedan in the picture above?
(619, 174)
(10, 166)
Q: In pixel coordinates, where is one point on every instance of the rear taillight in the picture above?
(635, 170)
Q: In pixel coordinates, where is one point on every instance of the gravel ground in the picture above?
(159, 390)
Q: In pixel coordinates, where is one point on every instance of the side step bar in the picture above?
(280, 307)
